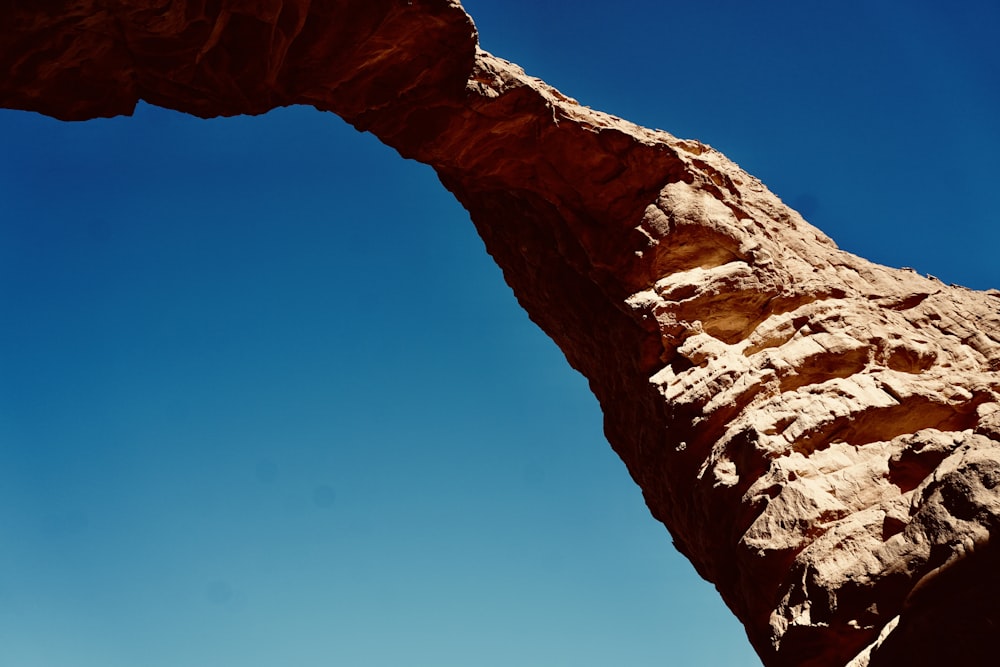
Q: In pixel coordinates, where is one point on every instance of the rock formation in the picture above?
(821, 435)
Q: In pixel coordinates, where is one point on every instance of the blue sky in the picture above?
(265, 400)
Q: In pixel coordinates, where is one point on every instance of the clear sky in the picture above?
(265, 400)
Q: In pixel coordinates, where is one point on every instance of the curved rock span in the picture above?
(820, 434)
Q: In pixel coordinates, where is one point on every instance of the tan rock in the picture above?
(821, 435)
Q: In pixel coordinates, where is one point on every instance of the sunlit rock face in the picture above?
(821, 435)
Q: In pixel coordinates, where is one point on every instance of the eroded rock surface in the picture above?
(820, 434)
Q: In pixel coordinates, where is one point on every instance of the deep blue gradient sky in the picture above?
(265, 400)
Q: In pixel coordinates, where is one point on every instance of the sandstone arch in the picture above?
(819, 433)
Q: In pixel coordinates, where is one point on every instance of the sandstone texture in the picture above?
(820, 434)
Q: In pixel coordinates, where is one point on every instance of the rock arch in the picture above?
(820, 434)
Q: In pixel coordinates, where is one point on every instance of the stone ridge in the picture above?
(820, 434)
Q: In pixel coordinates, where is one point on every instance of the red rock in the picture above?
(820, 434)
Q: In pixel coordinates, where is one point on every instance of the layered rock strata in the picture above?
(820, 434)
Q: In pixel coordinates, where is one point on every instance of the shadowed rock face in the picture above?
(821, 435)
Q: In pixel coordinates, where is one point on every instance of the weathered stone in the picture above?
(820, 434)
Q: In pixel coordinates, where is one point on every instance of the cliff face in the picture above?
(820, 434)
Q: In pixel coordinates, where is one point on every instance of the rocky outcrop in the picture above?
(821, 435)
